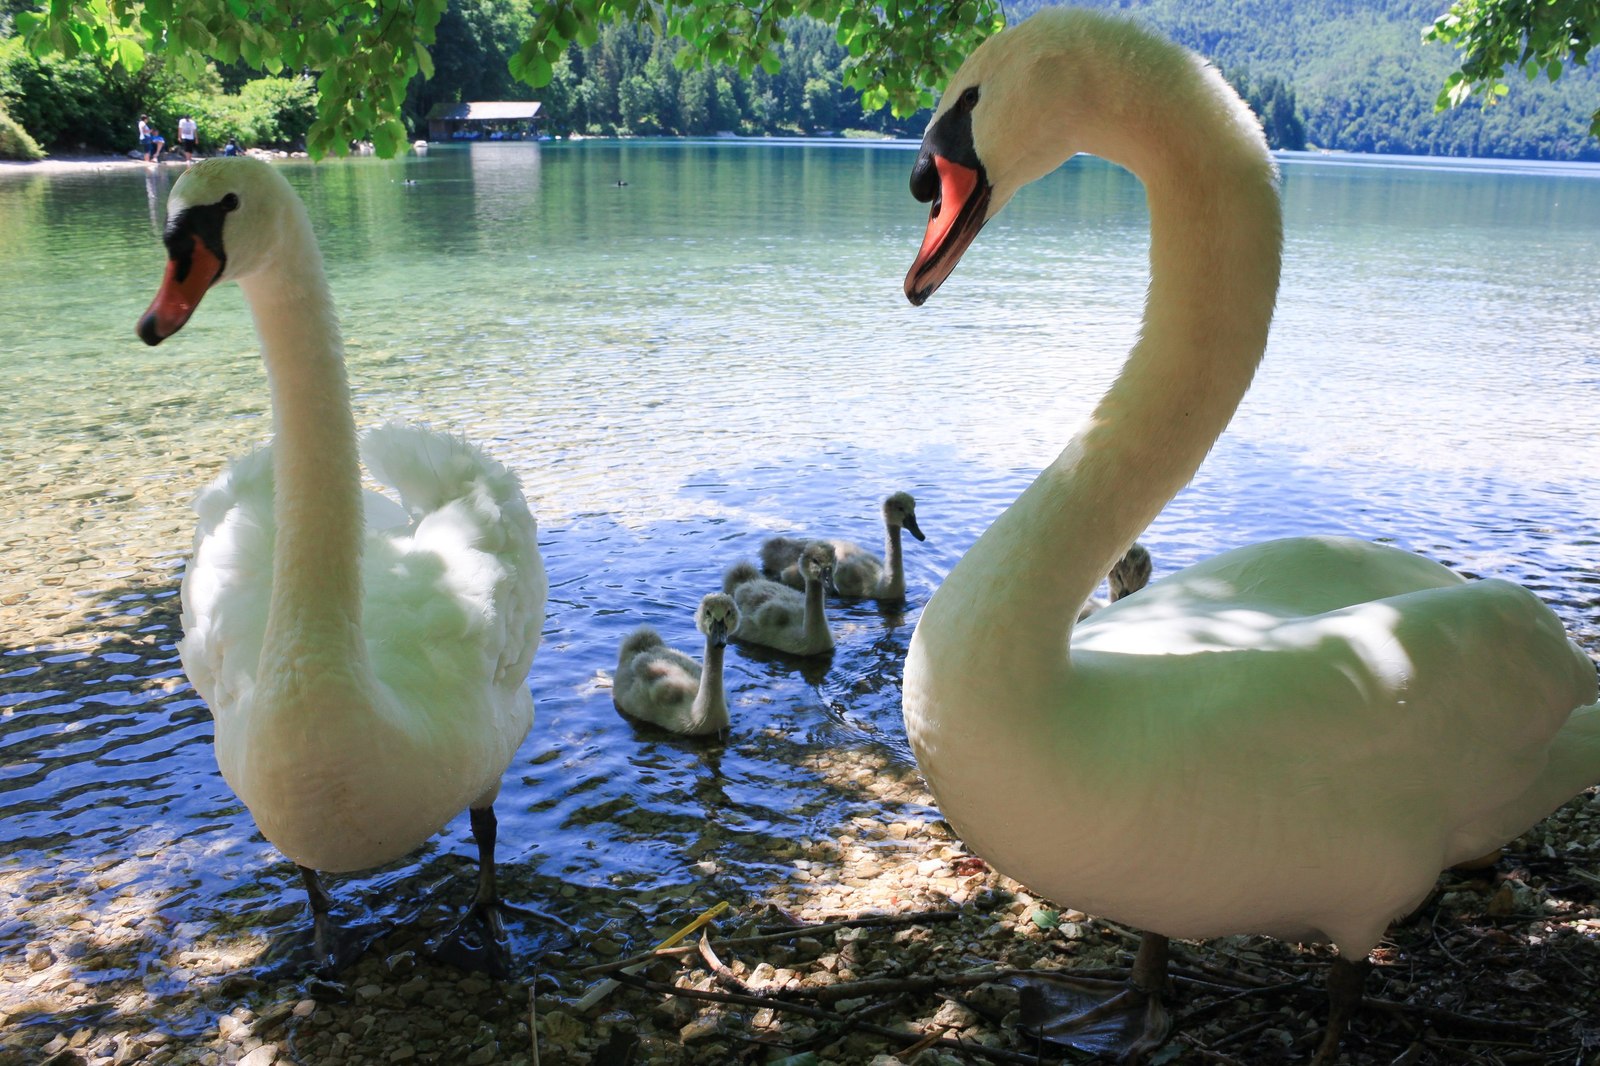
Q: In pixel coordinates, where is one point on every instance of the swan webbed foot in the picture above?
(1119, 1020)
(338, 946)
(478, 940)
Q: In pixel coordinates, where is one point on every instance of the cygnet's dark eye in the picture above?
(229, 202)
(969, 98)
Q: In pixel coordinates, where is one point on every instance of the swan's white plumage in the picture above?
(366, 686)
(1291, 738)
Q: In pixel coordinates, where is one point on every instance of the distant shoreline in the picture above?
(87, 163)
(62, 164)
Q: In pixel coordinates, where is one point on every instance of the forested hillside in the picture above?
(1344, 74)
(1364, 82)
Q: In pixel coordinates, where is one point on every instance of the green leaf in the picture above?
(424, 61)
(130, 55)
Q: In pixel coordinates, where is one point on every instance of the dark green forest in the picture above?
(1364, 82)
(1337, 74)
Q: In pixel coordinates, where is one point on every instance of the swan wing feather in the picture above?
(474, 535)
(227, 583)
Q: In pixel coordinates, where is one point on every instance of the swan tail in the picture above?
(1574, 765)
(739, 574)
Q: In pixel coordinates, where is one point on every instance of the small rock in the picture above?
(130, 1050)
(413, 989)
(265, 1055)
(237, 984)
(699, 1028)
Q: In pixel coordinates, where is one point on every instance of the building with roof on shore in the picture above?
(484, 119)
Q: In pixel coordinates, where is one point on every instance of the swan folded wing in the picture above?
(228, 582)
(1273, 761)
(474, 533)
(1471, 678)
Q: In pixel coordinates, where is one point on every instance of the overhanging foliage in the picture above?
(364, 52)
(1535, 36)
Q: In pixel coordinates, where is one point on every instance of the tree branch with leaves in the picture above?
(364, 52)
(1534, 36)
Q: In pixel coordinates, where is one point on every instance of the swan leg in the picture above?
(477, 941)
(336, 946)
(1123, 1020)
(1346, 979)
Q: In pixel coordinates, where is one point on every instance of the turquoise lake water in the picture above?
(712, 352)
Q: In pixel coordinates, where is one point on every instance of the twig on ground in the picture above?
(867, 922)
(981, 1050)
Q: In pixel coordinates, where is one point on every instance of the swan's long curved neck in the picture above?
(894, 578)
(315, 611)
(711, 701)
(1216, 234)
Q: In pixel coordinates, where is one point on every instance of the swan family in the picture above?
(1292, 738)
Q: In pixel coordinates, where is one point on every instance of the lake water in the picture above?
(714, 351)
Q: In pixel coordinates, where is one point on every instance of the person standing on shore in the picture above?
(147, 136)
(188, 136)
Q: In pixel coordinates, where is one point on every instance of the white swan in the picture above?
(856, 572)
(368, 684)
(665, 687)
(1130, 574)
(1291, 738)
(775, 615)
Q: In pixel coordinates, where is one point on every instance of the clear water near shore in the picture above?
(712, 352)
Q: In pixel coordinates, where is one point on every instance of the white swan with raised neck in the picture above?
(1291, 738)
(366, 665)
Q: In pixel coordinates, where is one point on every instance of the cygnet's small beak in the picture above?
(718, 632)
(910, 524)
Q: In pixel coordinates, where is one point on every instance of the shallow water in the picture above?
(712, 352)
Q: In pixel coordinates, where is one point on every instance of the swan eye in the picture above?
(969, 98)
(229, 202)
